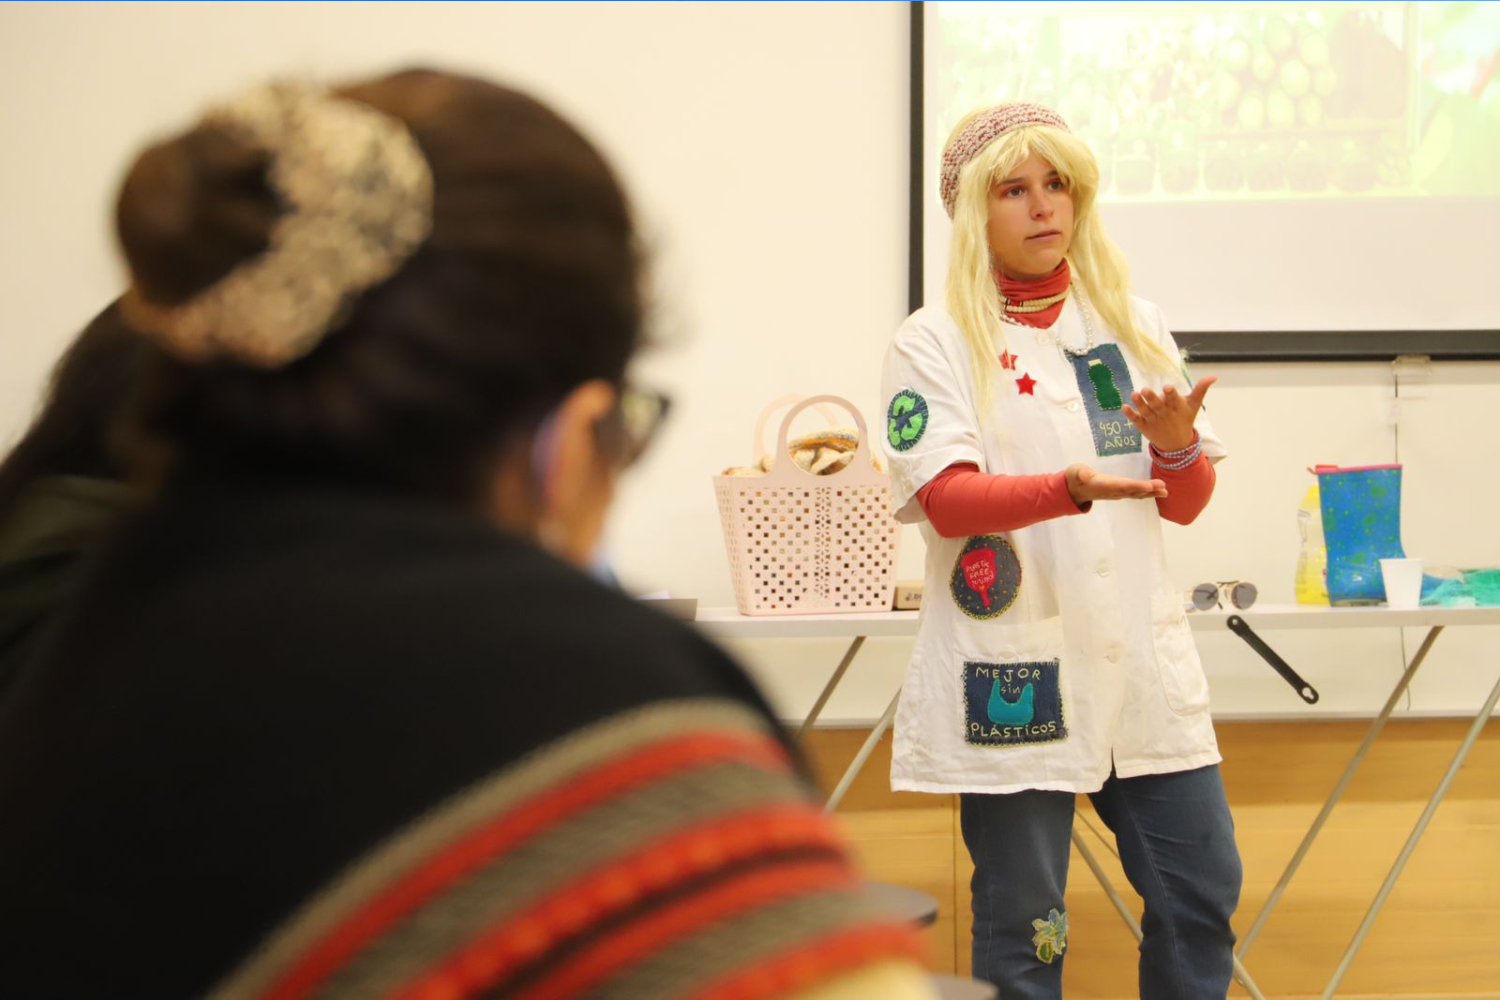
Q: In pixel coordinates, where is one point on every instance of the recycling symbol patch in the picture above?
(906, 419)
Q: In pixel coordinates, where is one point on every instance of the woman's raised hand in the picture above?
(1166, 418)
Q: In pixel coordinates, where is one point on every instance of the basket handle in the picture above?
(786, 471)
(758, 448)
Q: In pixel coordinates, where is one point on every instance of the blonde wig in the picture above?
(1097, 264)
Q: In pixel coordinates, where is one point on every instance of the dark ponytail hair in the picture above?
(73, 433)
(529, 285)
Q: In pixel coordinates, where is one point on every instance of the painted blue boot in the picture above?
(1361, 526)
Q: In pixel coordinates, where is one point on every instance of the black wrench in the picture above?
(1304, 690)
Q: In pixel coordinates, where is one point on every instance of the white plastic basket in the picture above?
(802, 544)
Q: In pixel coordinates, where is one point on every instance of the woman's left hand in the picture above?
(1166, 418)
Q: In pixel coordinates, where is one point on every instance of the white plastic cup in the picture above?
(1403, 582)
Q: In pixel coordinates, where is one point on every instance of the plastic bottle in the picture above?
(1312, 560)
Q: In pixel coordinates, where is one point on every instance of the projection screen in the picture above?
(1287, 179)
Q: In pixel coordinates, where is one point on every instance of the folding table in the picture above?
(727, 623)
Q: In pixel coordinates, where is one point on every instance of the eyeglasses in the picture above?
(628, 429)
(1212, 595)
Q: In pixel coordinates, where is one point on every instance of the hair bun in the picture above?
(357, 192)
(192, 209)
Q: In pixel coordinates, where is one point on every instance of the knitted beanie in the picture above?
(981, 131)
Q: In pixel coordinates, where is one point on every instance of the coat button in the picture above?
(1113, 656)
(1073, 406)
(1104, 569)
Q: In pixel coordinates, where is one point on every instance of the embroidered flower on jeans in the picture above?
(1051, 937)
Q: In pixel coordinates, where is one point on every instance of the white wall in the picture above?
(766, 148)
(1278, 421)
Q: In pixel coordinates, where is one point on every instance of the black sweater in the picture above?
(264, 680)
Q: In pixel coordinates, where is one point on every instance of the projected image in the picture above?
(1243, 100)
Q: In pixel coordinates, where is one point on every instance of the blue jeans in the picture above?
(1176, 842)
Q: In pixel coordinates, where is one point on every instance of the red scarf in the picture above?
(1018, 293)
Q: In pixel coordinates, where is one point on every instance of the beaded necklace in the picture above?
(1037, 305)
(1088, 327)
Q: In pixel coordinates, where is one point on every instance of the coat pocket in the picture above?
(1182, 679)
(1013, 684)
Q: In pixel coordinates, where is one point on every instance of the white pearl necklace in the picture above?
(1088, 327)
(1006, 318)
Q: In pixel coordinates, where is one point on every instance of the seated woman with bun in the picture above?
(338, 715)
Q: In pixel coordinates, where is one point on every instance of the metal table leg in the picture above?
(1411, 842)
(833, 682)
(917, 906)
(1241, 976)
(1338, 792)
(864, 754)
(860, 759)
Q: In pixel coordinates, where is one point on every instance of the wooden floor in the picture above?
(1438, 935)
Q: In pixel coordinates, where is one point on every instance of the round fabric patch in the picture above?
(986, 578)
(906, 419)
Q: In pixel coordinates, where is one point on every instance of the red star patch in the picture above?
(1026, 383)
(1008, 361)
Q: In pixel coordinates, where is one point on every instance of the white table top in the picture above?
(727, 623)
(1268, 616)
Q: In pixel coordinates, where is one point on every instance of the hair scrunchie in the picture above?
(356, 194)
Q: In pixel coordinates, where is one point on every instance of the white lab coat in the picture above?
(1047, 654)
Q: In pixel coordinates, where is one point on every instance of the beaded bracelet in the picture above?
(1176, 466)
(1190, 455)
(1181, 452)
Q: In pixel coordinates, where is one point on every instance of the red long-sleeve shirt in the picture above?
(961, 500)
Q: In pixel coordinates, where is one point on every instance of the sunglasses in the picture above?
(1213, 595)
(628, 430)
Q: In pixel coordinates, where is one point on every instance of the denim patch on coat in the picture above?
(1012, 704)
(986, 578)
(906, 419)
(1104, 380)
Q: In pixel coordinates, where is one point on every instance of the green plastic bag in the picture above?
(1471, 588)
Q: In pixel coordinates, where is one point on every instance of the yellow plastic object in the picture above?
(1312, 558)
